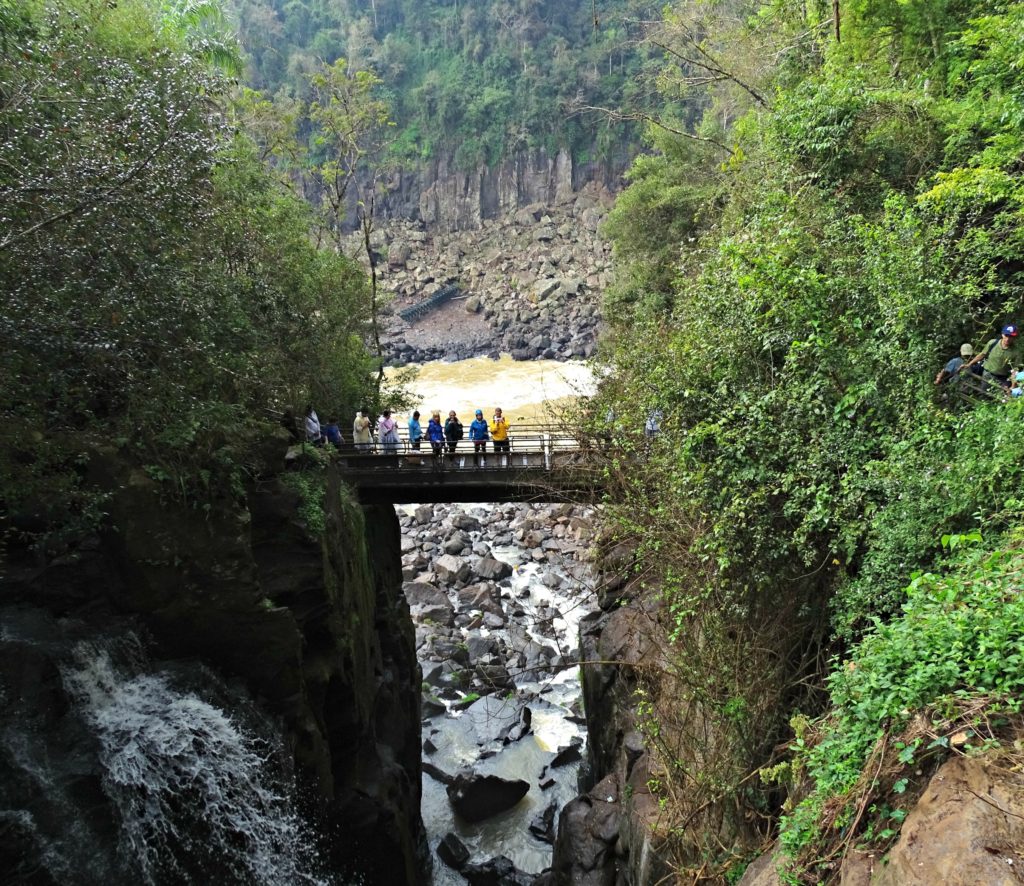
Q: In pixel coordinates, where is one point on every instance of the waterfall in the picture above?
(197, 794)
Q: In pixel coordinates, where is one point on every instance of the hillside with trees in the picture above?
(836, 541)
(161, 288)
(475, 80)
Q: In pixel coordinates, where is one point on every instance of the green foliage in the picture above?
(311, 486)
(785, 307)
(477, 80)
(159, 288)
(959, 636)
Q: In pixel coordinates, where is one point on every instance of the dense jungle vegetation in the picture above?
(159, 287)
(473, 79)
(836, 542)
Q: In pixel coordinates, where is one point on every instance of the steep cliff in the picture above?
(446, 198)
(311, 622)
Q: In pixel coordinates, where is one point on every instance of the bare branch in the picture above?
(639, 116)
(709, 64)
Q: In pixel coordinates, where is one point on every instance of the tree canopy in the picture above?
(795, 262)
(160, 287)
(478, 80)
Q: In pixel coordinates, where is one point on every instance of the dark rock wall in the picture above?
(611, 834)
(314, 625)
(447, 198)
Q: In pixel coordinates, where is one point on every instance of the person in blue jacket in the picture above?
(478, 435)
(435, 434)
(415, 431)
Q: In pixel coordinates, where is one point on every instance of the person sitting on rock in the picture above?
(478, 435)
(499, 431)
(453, 431)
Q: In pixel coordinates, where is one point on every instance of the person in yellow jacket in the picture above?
(499, 431)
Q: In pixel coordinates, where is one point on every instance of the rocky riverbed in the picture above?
(497, 593)
(531, 282)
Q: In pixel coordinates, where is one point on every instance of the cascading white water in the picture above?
(196, 793)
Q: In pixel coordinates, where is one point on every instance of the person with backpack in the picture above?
(478, 435)
(453, 431)
(999, 357)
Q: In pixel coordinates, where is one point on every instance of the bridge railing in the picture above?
(530, 447)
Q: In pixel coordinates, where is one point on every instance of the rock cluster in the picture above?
(532, 279)
(492, 630)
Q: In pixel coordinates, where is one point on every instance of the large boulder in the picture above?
(451, 569)
(588, 829)
(967, 828)
(476, 797)
(498, 871)
(492, 570)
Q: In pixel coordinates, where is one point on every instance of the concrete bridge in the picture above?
(543, 464)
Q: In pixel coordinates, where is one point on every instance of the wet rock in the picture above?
(476, 797)
(457, 543)
(419, 593)
(466, 522)
(494, 677)
(493, 570)
(587, 831)
(452, 851)
(433, 706)
(543, 825)
(566, 755)
(481, 647)
(498, 871)
(493, 621)
(451, 569)
(441, 613)
(521, 728)
(437, 773)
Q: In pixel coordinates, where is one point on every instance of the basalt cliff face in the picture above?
(445, 198)
(312, 625)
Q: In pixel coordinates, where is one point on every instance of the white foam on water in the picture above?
(186, 779)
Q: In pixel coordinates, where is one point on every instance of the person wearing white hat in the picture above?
(952, 368)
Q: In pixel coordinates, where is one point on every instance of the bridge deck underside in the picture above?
(406, 479)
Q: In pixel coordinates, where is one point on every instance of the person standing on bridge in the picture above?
(415, 431)
(435, 434)
(499, 431)
(453, 431)
(478, 436)
(361, 436)
(387, 429)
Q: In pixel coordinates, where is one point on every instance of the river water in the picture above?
(534, 391)
(531, 392)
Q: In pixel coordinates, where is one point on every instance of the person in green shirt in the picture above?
(1000, 356)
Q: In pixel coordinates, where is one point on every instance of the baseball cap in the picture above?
(479, 412)
(966, 350)
(1010, 330)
